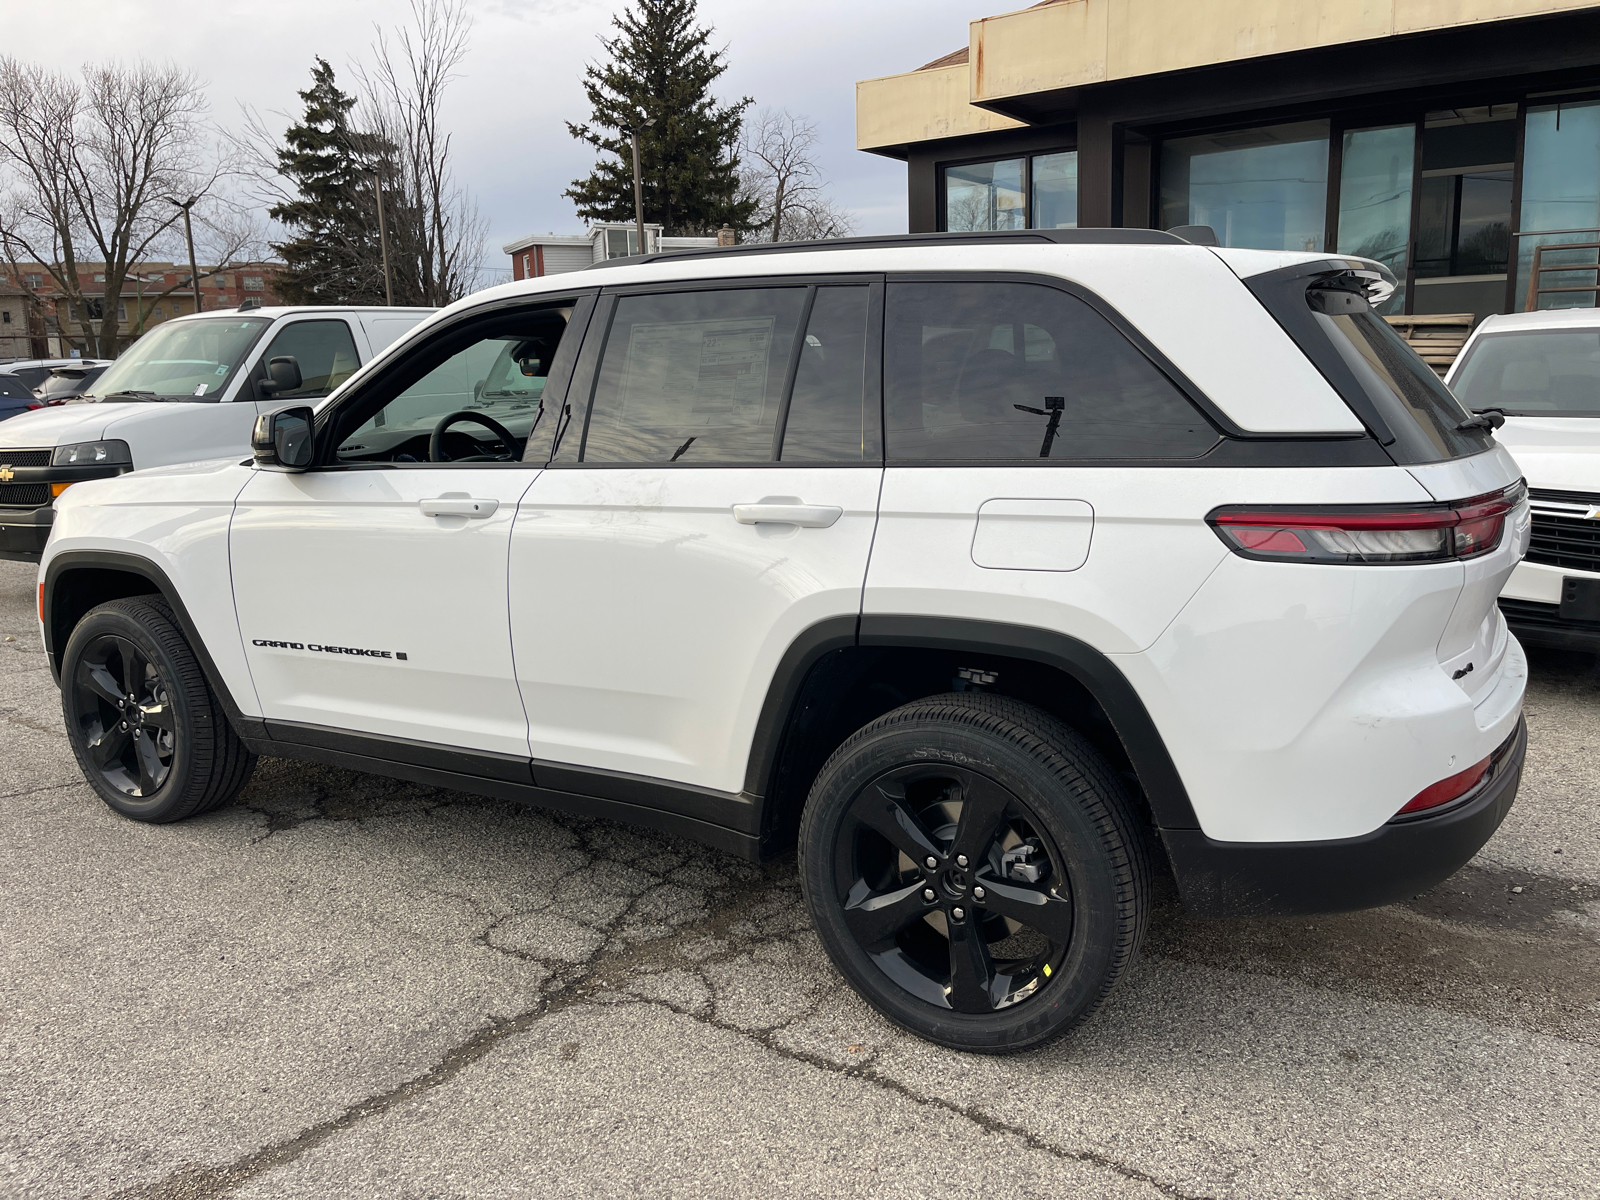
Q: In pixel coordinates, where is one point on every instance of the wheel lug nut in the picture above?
(930, 862)
(961, 860)
(927, 893)
(978, 893)
(959, 914)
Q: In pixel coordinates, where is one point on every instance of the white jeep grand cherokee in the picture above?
(994, 569)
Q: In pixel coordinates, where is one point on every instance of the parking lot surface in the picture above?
(344, 985)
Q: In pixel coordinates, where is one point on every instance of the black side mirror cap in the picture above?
(283, 440)
(283, 375)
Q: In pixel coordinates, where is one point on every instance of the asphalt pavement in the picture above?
(346, 986)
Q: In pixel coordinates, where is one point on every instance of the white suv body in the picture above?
(1246, 556)
(199, 382)
(1542, 370)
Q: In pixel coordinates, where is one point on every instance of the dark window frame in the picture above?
(335, 422)
(586, 374)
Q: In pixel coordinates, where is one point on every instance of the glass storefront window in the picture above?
(1375, 199)
(979, 197)
(1055, 191)
(1560, 191)
(1266, 189)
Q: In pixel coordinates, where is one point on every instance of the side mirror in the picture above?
(282, 440)
(283, 375)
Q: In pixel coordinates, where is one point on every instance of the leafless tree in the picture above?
(436, 232)
(89, 165)
(783, 177)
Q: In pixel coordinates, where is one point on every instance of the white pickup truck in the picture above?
(187, 391)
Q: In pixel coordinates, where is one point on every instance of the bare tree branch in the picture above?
(781, 175)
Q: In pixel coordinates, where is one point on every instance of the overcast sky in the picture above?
(521, 78)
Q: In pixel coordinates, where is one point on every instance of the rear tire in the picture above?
(143, 722)
(975, 954)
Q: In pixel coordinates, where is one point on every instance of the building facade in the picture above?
(557, 253)
(1456, 140)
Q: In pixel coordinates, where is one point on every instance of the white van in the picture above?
(187, 391)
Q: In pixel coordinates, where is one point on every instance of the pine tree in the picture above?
(661, 67)
(334, 257)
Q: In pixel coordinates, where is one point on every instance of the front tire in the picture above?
(144, 724)
(975, 870)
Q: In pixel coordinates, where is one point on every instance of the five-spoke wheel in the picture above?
(975, 870)
(123, 715)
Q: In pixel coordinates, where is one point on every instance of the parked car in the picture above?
(1542, 371)
(992, 570)
(188, 390)
(66, 383)
(16, 397)
(34, 371)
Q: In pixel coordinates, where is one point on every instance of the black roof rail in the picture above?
(1060, 237)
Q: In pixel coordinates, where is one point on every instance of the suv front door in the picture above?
(712, 497)
(371, 590)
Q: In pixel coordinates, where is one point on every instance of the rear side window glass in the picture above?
(1017, 372)
(1392, 373)
(325, 351)
(693, 377)
(826, 412)
(1548, 372)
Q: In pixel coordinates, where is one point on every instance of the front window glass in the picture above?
(981, 197)
(182, 360)
(325, 352)
(1375, 199)
(1551, 372)
(1018, 372)
(1263, 189)
(500, 373)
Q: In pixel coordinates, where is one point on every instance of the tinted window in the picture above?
(496, 368)
(1018, 372)
(326, 354)
(692, 377)
(1553, 371)
(10, 385)
(827, 415)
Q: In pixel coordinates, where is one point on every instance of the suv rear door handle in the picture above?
(807, 516)
(457, 506)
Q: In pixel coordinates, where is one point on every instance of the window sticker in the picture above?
(707, 374)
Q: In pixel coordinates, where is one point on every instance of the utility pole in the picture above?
(383, 242)
(632, 130)
(188, 235)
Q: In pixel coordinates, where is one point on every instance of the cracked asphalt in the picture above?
(346, 986)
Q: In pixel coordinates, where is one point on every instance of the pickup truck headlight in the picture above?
(92, 454)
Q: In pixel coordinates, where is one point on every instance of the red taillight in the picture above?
(1415, 533)
(1447, 790)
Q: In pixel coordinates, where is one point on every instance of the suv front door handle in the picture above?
(458, 506)
(807, 516)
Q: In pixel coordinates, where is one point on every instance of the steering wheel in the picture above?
(501, 434)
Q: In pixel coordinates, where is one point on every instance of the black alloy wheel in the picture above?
(954, 889)
(124, 716)
(976, 871)
(145, 725)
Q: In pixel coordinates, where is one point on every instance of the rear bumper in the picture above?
(1398, 860)
(24, 531)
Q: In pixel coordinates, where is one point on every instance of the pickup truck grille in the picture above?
(24, 458)
(1563, 536)
(24, 495)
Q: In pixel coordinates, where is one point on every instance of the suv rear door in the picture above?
(712, 497)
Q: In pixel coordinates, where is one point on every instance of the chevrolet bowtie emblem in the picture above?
(7, 474)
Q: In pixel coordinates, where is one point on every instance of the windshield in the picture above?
(182, 360)
(1548, 373)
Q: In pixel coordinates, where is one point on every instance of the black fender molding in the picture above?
(1158, 775)
(69, 561)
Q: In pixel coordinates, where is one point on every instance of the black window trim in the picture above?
(586, 375)
(330, 417)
